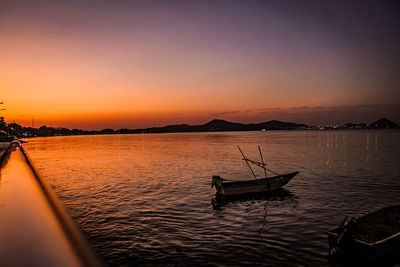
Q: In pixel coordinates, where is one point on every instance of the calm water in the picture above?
(146, 199)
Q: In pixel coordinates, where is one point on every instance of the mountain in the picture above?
(384, 123)
(222, 125)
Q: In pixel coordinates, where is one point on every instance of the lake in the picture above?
(146, 199)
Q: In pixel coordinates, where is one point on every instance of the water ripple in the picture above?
(146, 199)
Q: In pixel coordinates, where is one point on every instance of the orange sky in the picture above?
(138, 65)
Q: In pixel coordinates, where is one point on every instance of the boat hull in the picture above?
(365, 250)
(254, 186)
(375, 236)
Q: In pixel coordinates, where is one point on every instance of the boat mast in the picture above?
(247, 161)
(262, 160)
(259, 164)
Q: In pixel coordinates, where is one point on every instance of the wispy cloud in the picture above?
(225, 113)
(315, 115)
(265, 109)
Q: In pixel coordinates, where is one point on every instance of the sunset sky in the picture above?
(132, 64)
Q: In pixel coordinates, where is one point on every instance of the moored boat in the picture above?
(225, 187)
(252, 186)
(370, 237)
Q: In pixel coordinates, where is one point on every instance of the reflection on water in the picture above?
(218, 201)
(145, 199)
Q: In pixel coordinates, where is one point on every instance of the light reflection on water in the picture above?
(146, 199)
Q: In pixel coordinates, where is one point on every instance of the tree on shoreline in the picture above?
(3, 124)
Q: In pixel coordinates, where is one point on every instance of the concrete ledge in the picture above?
(34, 227)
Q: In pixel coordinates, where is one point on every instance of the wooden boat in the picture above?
(254, 186)
(370, 237)
(225, 187)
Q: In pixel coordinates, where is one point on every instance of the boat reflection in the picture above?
(278, 195)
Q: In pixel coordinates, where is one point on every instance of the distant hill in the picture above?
(383, 123)
(222, 125)
(219, 125)
(216, 125)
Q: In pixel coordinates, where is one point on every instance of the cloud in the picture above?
(300, 108)
(225, 113)
(315, 115)
(265, 109)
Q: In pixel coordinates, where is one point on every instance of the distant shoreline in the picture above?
(212, 126)
(292, 130)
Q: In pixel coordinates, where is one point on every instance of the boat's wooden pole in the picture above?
(245, 159)
(262, 160)
(272, 171)
(261, 165)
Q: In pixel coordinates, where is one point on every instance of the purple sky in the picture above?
(96, 64)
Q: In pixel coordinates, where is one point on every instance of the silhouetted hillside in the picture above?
(17, 130)
(222, 125)
(383, 123)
